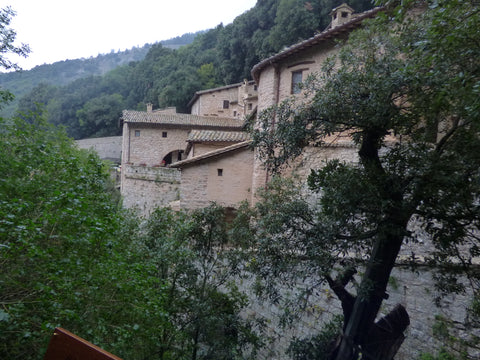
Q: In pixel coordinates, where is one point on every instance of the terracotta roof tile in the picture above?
(211, 154)
(142, 117)
(217, 136)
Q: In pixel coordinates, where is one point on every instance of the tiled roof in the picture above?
(217, 136)
(317, 39)
(142, 117)
(211, 154)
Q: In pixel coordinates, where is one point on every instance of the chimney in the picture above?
(149, 107)
(341, 14)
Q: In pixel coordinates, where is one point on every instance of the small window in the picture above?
(344, 14)
(137, 133)
(226, 104)
(220, 172)
(250, 106)
(234, 113)
(255, 87)
(164, 134)
(297, 77)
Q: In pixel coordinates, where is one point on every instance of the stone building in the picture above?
(193, 142)
(223, 175)
(152, 140)
(233, 101)
(278, 78)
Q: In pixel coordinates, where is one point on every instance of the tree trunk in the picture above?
(372, 291)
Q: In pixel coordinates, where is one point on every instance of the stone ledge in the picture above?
(156, 174)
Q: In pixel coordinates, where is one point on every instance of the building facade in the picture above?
(233, 101)
(152, 140)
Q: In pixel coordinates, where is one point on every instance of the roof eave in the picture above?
(211, 154)
(321, 37)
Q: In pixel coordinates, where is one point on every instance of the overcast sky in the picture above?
(71, 29)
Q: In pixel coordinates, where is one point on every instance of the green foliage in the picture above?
(7, 43)
(294, 21)
(320, 346)
(202, 303)
(71, 258)
(99, 116)
(8, 47)
(61, 73)
(56, 242)
(408, 99)
(442, 355)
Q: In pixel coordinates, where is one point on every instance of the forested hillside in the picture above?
(91, 106)
(62, 73)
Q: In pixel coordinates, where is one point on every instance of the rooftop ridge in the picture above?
(314, 40)
(142, 117)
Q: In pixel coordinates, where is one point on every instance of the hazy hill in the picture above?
(64, 72)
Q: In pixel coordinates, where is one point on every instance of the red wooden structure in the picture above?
(67, 346)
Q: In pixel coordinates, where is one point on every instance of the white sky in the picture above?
(70, 29)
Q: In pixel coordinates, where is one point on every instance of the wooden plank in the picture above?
(67, 346)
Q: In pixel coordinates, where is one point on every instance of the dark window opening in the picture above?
(164, 134)
(220, 172)
(297, 77)
(344, 14)
(250, 106)
(172, 156)
(226, 104)
(167, 160)
(137, 133)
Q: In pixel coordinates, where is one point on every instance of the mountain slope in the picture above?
(91, 106)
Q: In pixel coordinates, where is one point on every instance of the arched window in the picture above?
(173, 156)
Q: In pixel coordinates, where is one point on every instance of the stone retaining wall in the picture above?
(145, 188)
(412, 289)
(108, 148)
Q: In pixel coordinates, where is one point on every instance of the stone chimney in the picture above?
(149, 107)
(341, 14)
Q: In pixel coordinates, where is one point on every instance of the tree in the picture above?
(71, 257)
(40, 95)
(406, 92)
(295, 20)
(7, 47)
(7, 39)
(99, 116)
(201, 302)
(59, 244)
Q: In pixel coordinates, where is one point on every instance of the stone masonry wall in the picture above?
(145, 188)
(150, 147)
(275, 85)
(241, 101)
(203, 183)
(412, 289)
(202, 148)
(109, 148)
